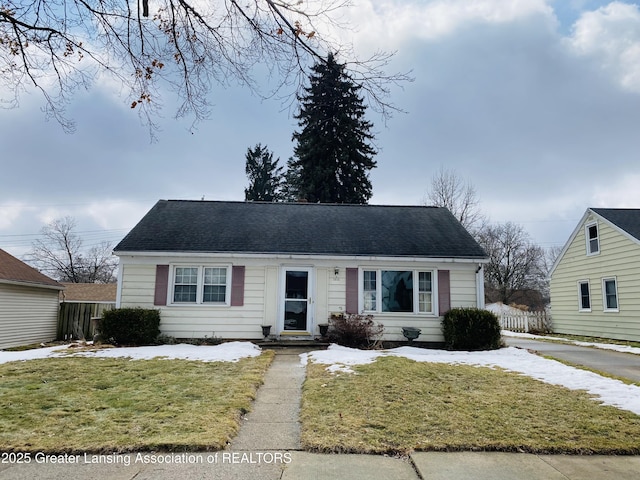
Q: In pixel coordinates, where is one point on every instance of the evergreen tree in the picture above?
(265, 176)
(333, 156)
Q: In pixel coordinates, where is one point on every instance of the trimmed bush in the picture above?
(130, 326)
(356, 331)
(471, 329)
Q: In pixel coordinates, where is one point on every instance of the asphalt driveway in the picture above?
(625, 365)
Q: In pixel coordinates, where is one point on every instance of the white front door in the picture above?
(296, 300)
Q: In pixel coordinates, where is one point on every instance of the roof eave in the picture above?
(31, 284)
(306, 256)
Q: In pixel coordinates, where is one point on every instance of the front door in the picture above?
(296, 300)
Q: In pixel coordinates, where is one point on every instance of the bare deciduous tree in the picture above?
(59, 46)
(515, 263)
(449, 190)
(61, 256)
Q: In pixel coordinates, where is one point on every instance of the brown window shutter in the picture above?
(237, 286)
(162, 284)
(444, 292)
(351, 303)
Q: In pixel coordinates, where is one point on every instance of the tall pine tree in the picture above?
(333, 156)
(265, 176)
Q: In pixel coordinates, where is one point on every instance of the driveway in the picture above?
(625, 365)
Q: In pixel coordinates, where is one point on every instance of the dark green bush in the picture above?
(471, 329)
(130, 326)
(356, 331)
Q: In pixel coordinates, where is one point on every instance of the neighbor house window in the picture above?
(199, 284)
(610, 294)
(407, 291)
(585, 297)
(593, 239)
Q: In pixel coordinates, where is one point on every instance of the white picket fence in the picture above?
(538, 322)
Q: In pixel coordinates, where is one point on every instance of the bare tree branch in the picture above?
(60, 46)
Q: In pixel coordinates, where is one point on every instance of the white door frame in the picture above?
(310, 300)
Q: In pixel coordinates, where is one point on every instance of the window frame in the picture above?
(605, 307)
(200, 285)
(415, 280)
(581, 307)
(588, 239)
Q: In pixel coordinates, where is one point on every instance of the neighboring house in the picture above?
(28, 304)
(79, 304)
(595, 282)
(225, 269)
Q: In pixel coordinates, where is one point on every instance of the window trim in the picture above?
(200, 285)
(416, 292)
(604, 295)
(581, 308)
(588, 240)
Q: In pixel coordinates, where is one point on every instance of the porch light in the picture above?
(266, 330)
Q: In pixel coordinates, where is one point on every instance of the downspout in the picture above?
(480, 286)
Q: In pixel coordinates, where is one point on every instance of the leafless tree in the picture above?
(515, 263)
(60, 255)
(59, 46)
(449, 190)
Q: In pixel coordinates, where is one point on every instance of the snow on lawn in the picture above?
(607, 390)
(604, 346)
(225, 352)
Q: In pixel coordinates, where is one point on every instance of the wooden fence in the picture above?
(527, 322)
(74, 319)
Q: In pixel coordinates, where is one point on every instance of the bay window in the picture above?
(405, 291)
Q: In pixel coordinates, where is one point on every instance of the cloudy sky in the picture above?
(536, 103)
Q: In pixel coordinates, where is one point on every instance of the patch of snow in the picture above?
(603, 346)
(225, 352)
(607, 390)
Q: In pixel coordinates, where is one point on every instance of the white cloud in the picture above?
(623, 193)
(9, 213)
(389, 23)
(611, 37)
(116, 214)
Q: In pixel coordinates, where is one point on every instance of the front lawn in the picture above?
(396, 405)
(116, 404)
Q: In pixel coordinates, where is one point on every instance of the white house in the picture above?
(28, 304)
(226, 269)
(595, 282)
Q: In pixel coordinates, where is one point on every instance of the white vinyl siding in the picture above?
(27, 315)
(619, 258)
(261, 296)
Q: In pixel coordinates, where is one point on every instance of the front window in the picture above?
(610, 294)
(585, 298)
(197, 284)
(593, 239)
(395, 291)
(186, 285)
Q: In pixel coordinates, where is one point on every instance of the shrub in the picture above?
(471, 329)
(131, 326)
(357, 331)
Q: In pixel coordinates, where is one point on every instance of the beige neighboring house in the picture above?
(28, 303)
(595, 282)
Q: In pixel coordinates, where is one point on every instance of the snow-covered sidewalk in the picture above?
(607, 390)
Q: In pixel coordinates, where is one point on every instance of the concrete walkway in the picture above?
(268, 448)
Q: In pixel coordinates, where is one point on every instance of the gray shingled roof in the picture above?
(300, 228)
(628, 219)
